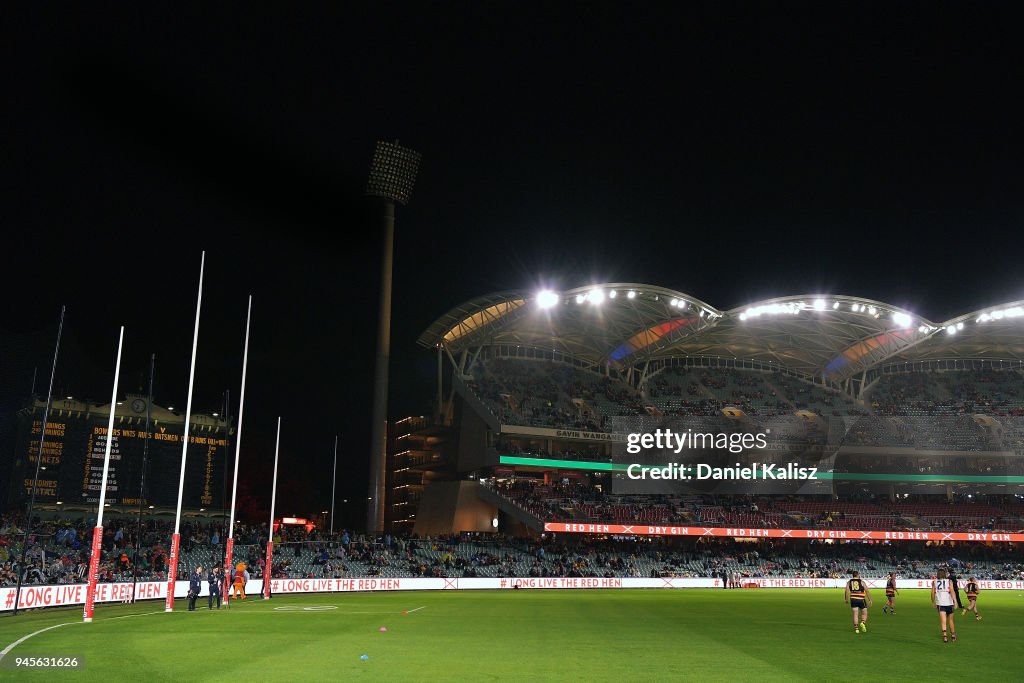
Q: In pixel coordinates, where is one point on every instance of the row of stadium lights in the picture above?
(1012, 312)
(597, 296)
(902, 320)
(548, 299)
(989, 316)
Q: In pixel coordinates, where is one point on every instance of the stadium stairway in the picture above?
(474, 402)
(510, 508)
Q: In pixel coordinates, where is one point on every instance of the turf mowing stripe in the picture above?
(3, 653)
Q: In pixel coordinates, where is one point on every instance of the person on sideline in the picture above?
(195, 585)
(214, 581)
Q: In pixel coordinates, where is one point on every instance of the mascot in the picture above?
(238, 583)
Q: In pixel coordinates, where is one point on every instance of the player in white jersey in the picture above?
(943, 599)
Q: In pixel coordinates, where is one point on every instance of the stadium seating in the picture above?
(921, 410)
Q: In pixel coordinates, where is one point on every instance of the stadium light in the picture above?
(960, 325)
(612, 294)
(596, 297)
(951, 329)
(393, 172)
(631, 294)
(580, 298)
(674, 302)
(902, 320)
(790, 308)
(1000, 314)
(835, 306)
(819, 304)
(547, 299)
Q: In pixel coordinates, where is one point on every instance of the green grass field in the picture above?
(598, 635)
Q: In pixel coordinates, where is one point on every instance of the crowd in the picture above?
(569, 555)
(581, 501)
(921, 410)
(58, 550)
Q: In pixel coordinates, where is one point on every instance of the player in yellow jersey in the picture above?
(859, 599)
(972, 598)
(890, 594)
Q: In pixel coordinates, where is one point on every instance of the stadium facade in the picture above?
(541, 387)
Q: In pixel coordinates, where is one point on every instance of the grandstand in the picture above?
(887, 403)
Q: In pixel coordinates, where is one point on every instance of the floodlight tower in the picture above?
(392, 176)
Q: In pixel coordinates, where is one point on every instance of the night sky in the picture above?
(732, 151)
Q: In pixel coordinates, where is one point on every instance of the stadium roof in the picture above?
(825, 337)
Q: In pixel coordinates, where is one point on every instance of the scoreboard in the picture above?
(73, 452)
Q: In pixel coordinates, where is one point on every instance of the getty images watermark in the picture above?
(667, 440)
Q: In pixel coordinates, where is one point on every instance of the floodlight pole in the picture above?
(392, 176)
(379, 432)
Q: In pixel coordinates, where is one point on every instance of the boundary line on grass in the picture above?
(417, 609)
(19, 641)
